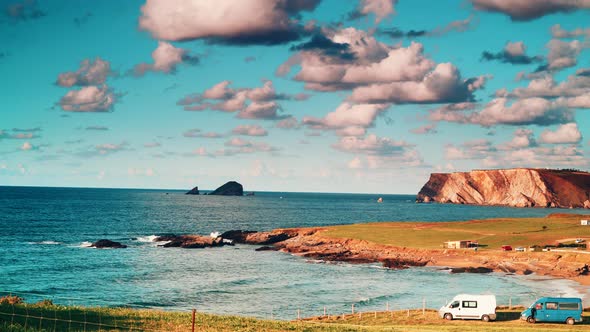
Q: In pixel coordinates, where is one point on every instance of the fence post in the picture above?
(324, 311)
(423, 306)
(387, 306)
(353, 308)
(510, 303)
(375, 314)
(408, 312)
(298, 314)
(194, 316)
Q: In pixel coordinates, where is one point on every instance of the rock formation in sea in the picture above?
(190, 241)
(520, 187)
(194, 191)
(231, 188)
(104, 243)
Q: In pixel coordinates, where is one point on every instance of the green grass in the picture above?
(124, 319)
(492, 233)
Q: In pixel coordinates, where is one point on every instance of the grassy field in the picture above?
(122, 319)
(491, 234)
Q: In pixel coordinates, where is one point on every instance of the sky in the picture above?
(367, 96)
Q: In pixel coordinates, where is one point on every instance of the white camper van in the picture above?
(466, 306)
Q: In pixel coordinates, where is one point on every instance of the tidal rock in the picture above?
(194, 191)
(266, 248)
(231, 188)
(521, 187)
(104, 243)
(479, 269)
(191, 241)
(400, 264)
(238, 236)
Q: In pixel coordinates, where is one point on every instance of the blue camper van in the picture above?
(554, 309)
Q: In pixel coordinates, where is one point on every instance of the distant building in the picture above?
(584, 222)
(460, 244)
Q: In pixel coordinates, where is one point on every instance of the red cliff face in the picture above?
(521, 187)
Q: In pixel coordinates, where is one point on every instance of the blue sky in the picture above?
(285, 95)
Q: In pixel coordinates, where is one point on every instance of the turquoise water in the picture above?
(45, 231)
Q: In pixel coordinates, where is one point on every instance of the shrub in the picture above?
(11, 299)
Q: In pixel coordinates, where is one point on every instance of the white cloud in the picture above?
(565, 134)
(88, 99)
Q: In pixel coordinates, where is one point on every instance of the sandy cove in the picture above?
(313, 243)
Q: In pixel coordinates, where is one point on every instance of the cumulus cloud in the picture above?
(375, 152)
(91, 72)
(565, 134)
(198, 133)
(522, 151)
(88, 99)
(545, 86)
(288, 123)
(250, 103)
(562, 54)
(371, 145)
(166, 57)
(523, 138)
(513, 53)
(109, 148)
(528, 111)
(348, 119)
(379, 8)
(265, 22)
(526, 10)
(442, 85)
(558, 32)
(249, 130)
(27, 146)
(18, 133)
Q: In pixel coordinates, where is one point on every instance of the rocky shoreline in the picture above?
(312, 243)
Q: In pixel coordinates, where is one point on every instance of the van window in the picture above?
(569, 306)
(454, 304)
(469, 304)
(551, 305)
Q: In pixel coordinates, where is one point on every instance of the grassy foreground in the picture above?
(490, 233)
(123, 319)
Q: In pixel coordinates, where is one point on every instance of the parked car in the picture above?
(554, 309)
(579, 240)
(467, 306)
(520, 249)
(506, 248)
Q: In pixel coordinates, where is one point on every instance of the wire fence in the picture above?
(16, 315)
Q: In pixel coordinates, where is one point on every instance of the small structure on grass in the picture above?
(584, 222)
(460, 244)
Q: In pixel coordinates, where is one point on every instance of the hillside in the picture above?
(521, 187)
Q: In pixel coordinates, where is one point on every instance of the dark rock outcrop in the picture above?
(238, 236)
(231, 188)
(266, 248)
(479, 269)
(104, 243)
(521, 187)
(190, 241)
(194, 191)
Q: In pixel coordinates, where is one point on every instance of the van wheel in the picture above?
(485, 318)
(448, 316)
(531, 320)
(570, 321)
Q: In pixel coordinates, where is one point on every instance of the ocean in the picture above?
(45, 233)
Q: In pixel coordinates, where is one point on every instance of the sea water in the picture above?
(45, 235)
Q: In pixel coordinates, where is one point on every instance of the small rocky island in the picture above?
(194, 191)
(231, 188)
(520, 187)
